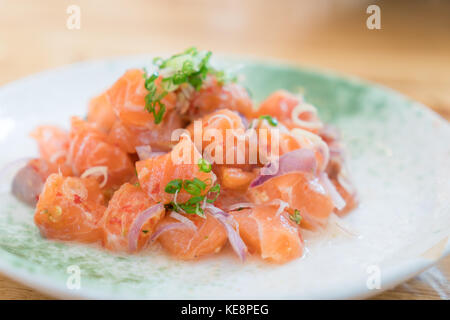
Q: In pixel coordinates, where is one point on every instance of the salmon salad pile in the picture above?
(179, 156)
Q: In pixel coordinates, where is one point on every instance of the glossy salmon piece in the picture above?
(301, 192)
(123, 209)
(155, 173)
(89, 148)
(127, 98)
(69, 209)
(187, 244)
(159, 138)
(53, 143)
(275, 141)
(101, 112)
(213, 96)
(45, 168)
(235, 178)
(224, 140)
(210, 135)
(284, 106)
(270, 233)
(229, 197)
(272, 141)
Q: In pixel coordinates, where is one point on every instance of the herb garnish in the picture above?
(153, 99)
(271, 120)
(296, 217)
(194, 187)
(191, 67)
(204, 165)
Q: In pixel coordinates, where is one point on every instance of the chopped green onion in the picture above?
(195, 188)
(192, 188)
(173, 186)
(152, 99)
(191, 66)
(215, 189)
(204, 165)
(271, 120)
(296, 217)
(200, 183)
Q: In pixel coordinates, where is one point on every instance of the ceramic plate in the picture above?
(399, 155)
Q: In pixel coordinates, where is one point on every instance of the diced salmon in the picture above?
(273, 141)
(301, 192)
(214, 95)
(270, 233)
(282, 104)
(181, 163)
(127, 97)
(124, 207)
(229, 197)
(69, 209)
(53, 143)
(159, 138)
(101, 112)
(45, 168)
(235, 178)
(187, 244)
(89, 148)
(210, 135)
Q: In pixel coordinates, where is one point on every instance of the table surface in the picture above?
(411, 54)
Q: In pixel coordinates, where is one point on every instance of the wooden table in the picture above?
(411, 53)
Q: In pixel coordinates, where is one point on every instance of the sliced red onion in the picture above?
(95, 171)
(240, 205)
(183, 220)
(145, 152)
(335, 150)
(329, 133)
(141, 219)
(243, 119)
(338, 201)
(300, 160)
(167, 227)
(282, 205)
(305, 108)
(27, 185)
(233, 235)
(12, 166)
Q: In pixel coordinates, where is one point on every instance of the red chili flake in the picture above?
(76, 199)
(126, 207)
(115, 220)
(58, 194)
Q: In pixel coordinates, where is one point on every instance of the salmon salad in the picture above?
(178, 156)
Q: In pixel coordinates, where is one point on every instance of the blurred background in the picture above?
(410, 53)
